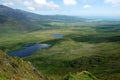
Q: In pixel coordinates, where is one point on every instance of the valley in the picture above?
(60, 47)
(94, 48)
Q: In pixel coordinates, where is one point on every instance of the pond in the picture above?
(58, 35)
(28, 50)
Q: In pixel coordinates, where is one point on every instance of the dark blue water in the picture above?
(29, 50)
(58, 35)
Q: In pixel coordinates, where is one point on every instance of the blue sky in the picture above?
(67, 7)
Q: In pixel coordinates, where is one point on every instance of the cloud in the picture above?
(41, 2)
(8, 3)
(29, 5)
(87, 6)
(52, 5)
(113, 2)
(88, 1)
(69, 2)
(33, 4)
(31, 8)
(45, 4)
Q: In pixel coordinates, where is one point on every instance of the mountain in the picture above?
(21, 15)
(13, 13)
(17, 69)
(15, 20)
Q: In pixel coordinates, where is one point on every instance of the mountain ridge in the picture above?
(25, 15)
(15, 20)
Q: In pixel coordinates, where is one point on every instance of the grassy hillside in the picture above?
(17, 69)
(84, 75)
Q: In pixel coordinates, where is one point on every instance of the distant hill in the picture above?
(15, 20)
(17, 69)
(21, 15)
(13, 13)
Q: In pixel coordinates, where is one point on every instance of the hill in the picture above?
(21, 15)
(14, 20)
(13, 68)
(17, 69)
(84, 75)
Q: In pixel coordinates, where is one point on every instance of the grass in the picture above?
(85, 47)
(16, 69)
(84, 75)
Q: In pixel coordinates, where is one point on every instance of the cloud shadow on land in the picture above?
(94, 38)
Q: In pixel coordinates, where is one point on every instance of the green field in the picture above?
(93, 47)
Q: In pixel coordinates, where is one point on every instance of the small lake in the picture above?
(58, 35)
(28, 50)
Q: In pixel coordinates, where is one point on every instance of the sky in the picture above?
(67, 7)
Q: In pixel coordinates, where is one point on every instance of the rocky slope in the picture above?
(17, 69)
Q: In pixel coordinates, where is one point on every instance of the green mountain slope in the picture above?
(84, 75)
(14, 20)
(17, 69)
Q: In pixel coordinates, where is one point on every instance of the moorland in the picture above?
(92, 46)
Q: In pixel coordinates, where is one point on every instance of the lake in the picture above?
(28, 50)
(58, 35)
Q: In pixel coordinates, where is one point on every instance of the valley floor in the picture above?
(92, 49)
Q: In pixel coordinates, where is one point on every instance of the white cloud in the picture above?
(87, 6)
(41, 2)
(26, 3)
(29, 5)
(69, 2)
(31, 8)
(33, 4)
(113, 2)
(46, 4)
(52, 5)
(8, 3)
